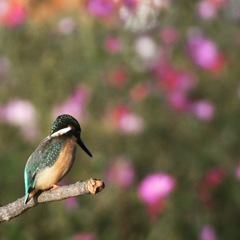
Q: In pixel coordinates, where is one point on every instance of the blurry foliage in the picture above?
(45, 68)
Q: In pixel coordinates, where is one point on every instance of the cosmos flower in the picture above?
(207, 233)
(12, 13)
(100, 8)
(146, 48)
(169, 35)
(66, 25)
(121, 172)
(122, 119)
(71, 203)
(237, 172)
(172, 79)
(203, 109)
(205, 53)
(20, 113)
(208, 9)
(113, 45)
(75, 104)
(154, 189)
(142, 15)
(84, 236)
(178, 101)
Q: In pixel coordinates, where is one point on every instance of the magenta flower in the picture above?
(156, 186)
(121, 172)
(178, 101)
(207, 9)
(84, 236)
(205, 53)
(75, 104)
(122, 119)
(14, 14)
(203, 110)
(22, 114)
(101, 8)
(153, 191)
(207, 233)
(169, 35)
(171, 79)
(71, 203)
(237, 172)
(113, 45)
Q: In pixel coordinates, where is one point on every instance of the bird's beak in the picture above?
(83, 146)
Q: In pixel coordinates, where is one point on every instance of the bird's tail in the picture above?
(29, 195)
(26, 199)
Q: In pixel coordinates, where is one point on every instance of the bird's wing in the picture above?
(44, 156)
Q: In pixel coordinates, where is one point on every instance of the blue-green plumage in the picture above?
(53, 158)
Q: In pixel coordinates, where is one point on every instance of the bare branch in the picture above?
(16, 208)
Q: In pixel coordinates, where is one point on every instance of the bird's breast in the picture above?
(51, 175)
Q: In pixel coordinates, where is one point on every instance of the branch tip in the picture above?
(94, 185)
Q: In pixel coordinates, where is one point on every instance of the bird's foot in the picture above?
(54, 186)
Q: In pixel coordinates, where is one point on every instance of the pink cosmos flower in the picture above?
(75, 104)
(12, 13)
(22, 114)
(113, 45)
(121, 118)
(205, 53)
(207, 233)
(178, 101)
(121, 172)
(206, 9)
(171, 79)
(169, 35)
(237, 173)
(156, 186)
(101, 8)
(71, 203)
(84, 236)
(176, 85)
(203, 110)
(153, 191)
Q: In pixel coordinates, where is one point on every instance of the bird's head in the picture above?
(66, 124)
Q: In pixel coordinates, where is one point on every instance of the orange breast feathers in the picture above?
(50, 176)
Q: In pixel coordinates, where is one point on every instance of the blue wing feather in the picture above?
(44, 156)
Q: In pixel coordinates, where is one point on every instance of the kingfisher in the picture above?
(54, 156)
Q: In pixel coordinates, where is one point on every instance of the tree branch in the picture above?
(16, 208)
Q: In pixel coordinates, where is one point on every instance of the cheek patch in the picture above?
(61, 132)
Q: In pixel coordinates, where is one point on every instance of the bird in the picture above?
(54, 156)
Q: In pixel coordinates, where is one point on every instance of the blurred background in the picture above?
(155, 85)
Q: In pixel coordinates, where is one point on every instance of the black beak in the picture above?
(82, 145)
